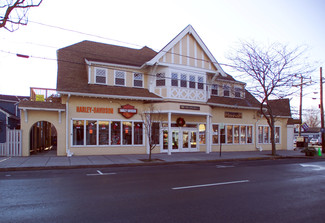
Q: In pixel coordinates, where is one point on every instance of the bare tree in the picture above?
(15, 12)
(271, 73)
(152, 118)
(312, 118)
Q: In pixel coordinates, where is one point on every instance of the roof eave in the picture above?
(109, 96)
(233, 106)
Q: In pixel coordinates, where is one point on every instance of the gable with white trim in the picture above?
(187, 50)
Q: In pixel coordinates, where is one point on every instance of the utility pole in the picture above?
(300, 108)
(322, 110)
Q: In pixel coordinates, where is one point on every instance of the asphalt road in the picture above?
(246, 191)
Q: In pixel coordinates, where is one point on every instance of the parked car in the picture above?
(314, 141)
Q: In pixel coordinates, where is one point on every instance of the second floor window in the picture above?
(226, 91)
(120, 78)
(183, 80)
(138, 80)
(100, 75)
(200, 83)
(237, 92)
(214, 90)
(160, 79)
(175, 79)
(192, 81)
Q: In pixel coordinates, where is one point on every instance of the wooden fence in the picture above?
(12, 146)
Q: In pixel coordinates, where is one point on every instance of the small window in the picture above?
(138, 80)
(237, 92)
(192, 81)
(120, 78)
(214, 90)
(100, 75)
(175, 79)
(200, 83)
(160, 79)
(183, 80)
(226, 91)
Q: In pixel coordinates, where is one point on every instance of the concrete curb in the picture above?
(6, 169)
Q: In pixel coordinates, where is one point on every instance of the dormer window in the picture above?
(183, 80)
(175, 79)
(226, 91)
(214, 90)
(137, 79)
(120, 78)
(192, 81)
(237, 92)
(100, 75)
(160, 79)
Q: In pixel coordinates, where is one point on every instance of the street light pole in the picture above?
(322, 110)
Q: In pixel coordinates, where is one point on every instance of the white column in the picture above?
(207, 135)
(169, 133)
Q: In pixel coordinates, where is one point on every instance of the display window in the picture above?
(232, 134)
(106, 133)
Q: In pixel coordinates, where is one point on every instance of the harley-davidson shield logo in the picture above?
(127, 111)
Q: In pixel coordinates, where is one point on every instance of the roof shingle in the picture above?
(72, 70)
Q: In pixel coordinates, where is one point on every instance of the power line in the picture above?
(108, 68)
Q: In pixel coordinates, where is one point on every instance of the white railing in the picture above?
(12, 146)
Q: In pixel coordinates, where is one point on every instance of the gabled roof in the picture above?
(12, 98)
(72, 70)
(281, 107)
(188, 30)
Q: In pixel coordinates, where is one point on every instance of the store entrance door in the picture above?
(183, 140)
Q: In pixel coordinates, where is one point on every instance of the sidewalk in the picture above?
(50, 161)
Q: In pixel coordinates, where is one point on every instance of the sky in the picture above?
(221, 24)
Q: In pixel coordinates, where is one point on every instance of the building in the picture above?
(9, 114)
(105, 90)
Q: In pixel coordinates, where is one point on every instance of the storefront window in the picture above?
(78, 132)
(116, 133)
(127, 133)
(266, 134)
(103, 132)
(215, 137)
(236, 134)
(91, 132)
(249, 134)
(138, 133)
(202, 133)
(277, 134)
(165, 139)
(242, 134)
(229, 134)
(260, 134)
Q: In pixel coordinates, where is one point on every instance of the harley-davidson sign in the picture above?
(127, 111)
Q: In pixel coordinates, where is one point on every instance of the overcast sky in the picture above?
(220, 24)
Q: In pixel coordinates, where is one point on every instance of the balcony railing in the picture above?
(44, 94)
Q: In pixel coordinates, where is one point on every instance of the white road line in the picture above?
(221, 166)
(210, 185)
(316, 167)
(99, 173)
(5, 159)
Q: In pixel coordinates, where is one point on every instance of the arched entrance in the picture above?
(43, 138)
